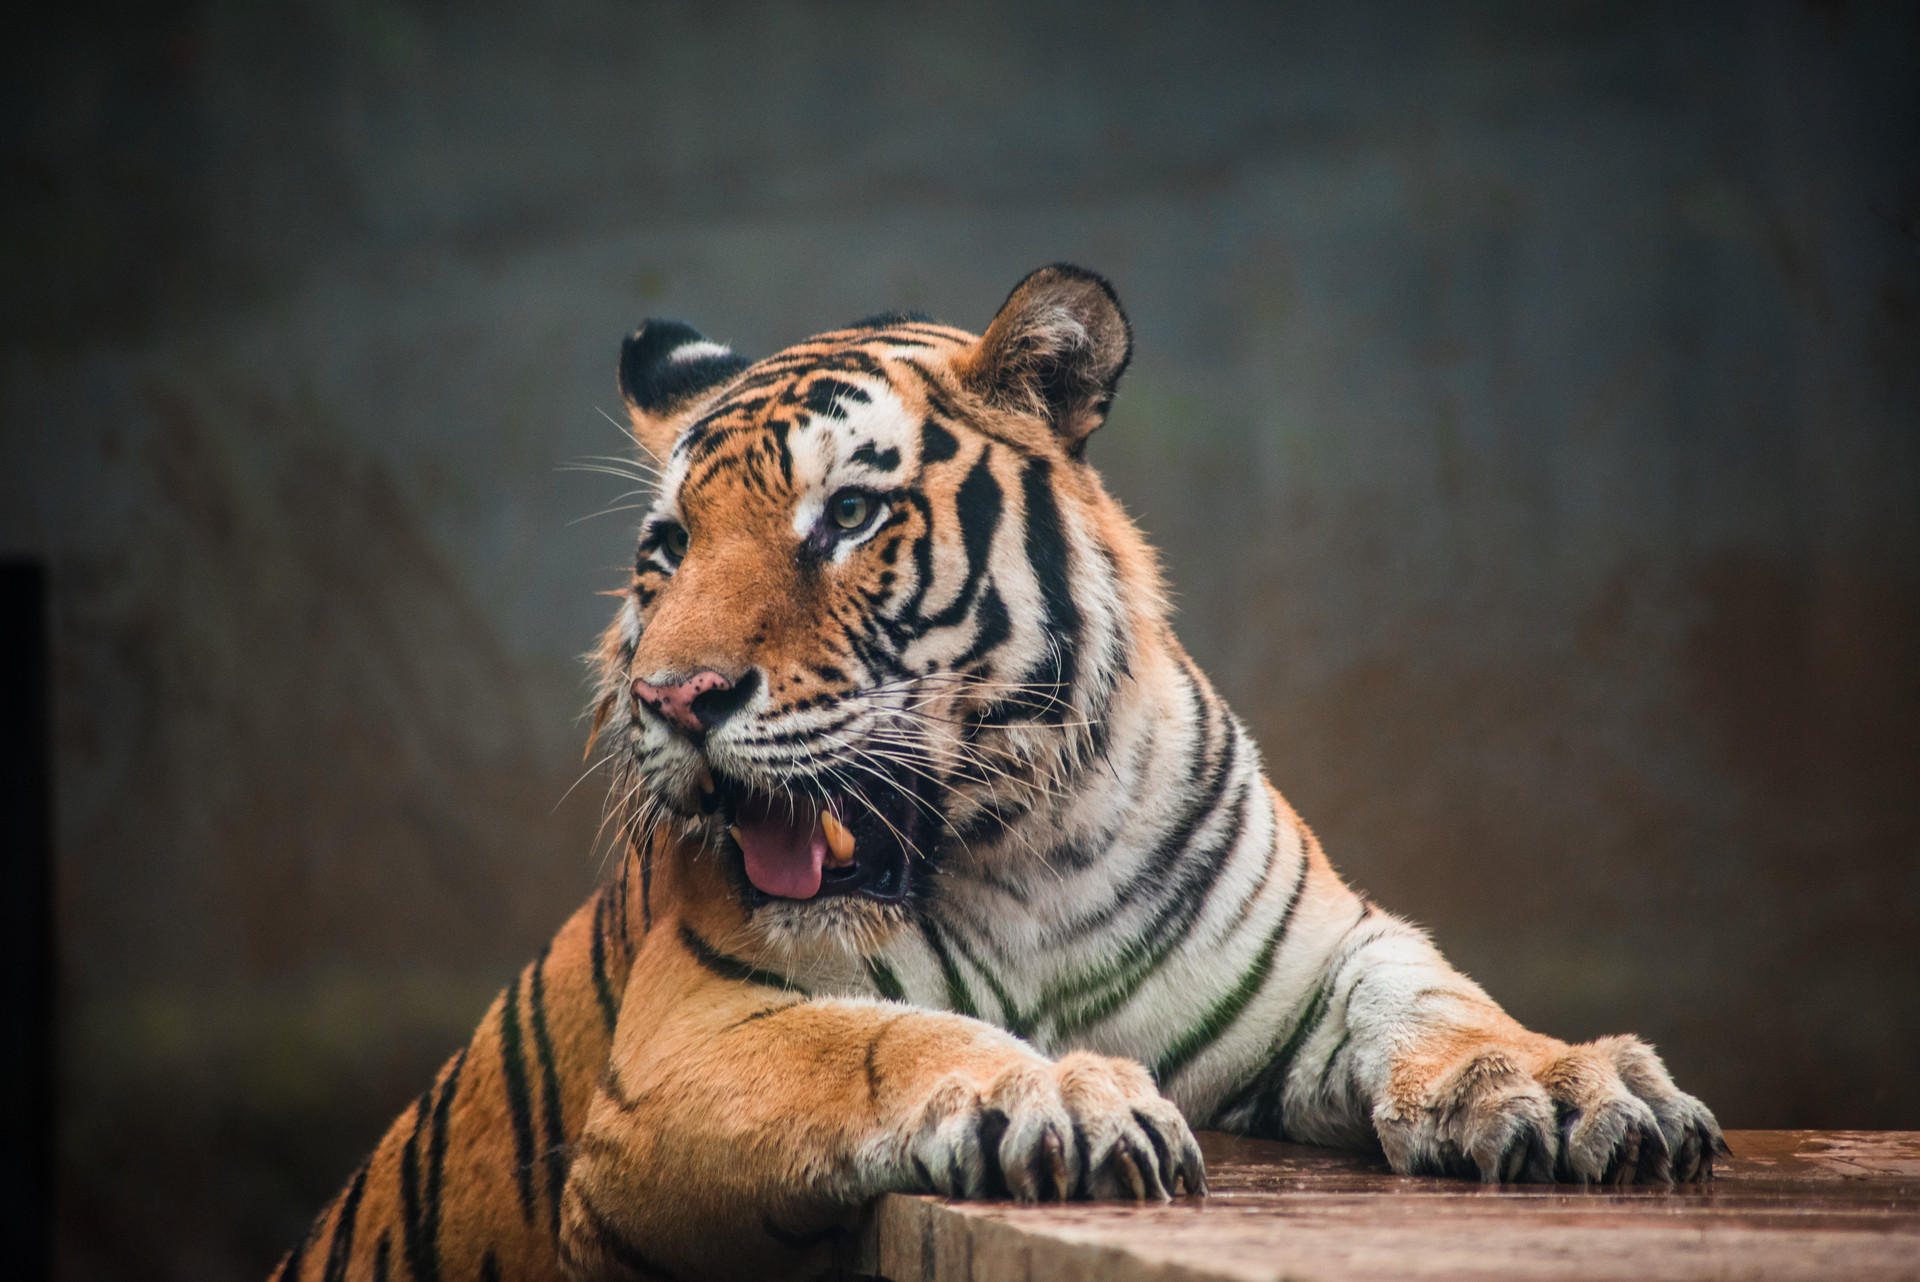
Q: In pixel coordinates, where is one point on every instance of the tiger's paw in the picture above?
(1623, 1121)
(1084, 1127)
(1604, 1112)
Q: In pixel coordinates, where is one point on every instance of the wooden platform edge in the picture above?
(921, 1239)
(1790, 1204)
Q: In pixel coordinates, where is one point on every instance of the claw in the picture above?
(1193, 1165)
(1527, 1159)
(1656, 1158)
(989, 1129)
(1686, 1158)
(1626, 1159)
(1155, 1178)
(1053, 1152)
(1163, 1157)
(1123, 1158)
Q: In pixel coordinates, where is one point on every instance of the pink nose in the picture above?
(675, 702)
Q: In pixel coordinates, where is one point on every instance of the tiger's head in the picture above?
(881, 605)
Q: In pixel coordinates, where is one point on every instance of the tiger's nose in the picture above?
(699, 703)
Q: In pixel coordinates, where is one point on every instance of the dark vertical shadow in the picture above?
(26, 921)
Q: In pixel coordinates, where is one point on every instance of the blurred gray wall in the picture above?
(1527, 401)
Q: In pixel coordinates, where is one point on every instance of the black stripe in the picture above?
(700, 442)
(489, 1267)
(976, 508)
(1222, 1016)
(609, 1012)
(289, 1270)
(1225, 1013)
(922, 551)
(443, 1133)
(513, 1064)
(824, 395)
(937, 444)
(1200, 874)
(762, 1014)
(754, 476)
(1189, 893)
(988, 823)
(1047, 552)
(1004, 882)
(992, 626)
(881, 664)
(1333, 1057)
(421, 1226)
(618, 908)
(810, 368)
(556, 1150)
(943, 407)
(783, 453)
(1012, 1018)
(340, 1251)
(1079, 853)
(787, 738)
(1266, 873)
(1205, 784)
(646, 898)
(885, 980)
(611, 1087)
(719, 465)
(958, 998)
(625, 1254)
(382, 1251)
(1266, 1090)
(412, 1250)
(873, 1058)
(1117, 668)
(646, 925)
(733, 968)
(765, 373)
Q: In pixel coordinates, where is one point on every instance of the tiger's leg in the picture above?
(740, 1127)
(467, 1181)
(1395, 1042)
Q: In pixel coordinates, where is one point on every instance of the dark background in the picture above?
(1527, 401)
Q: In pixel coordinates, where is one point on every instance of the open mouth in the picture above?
(802, 845)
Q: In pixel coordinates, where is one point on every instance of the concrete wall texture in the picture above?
(1527, 401)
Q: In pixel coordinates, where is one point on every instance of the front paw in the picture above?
(1623, 1121)
(1537, 1111)
(1085, 1127)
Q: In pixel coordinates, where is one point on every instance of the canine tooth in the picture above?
(734, 832)
(705, 780)
(839, 840)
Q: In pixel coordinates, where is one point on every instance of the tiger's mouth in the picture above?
(802, 844)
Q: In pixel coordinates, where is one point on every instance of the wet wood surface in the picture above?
(1790, 1204)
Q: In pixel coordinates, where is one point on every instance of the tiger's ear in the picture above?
(1057, 348)
(664, 369)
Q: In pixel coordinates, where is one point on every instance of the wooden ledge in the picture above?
(1790, 1204)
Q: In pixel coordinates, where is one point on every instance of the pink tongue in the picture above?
(784, 845)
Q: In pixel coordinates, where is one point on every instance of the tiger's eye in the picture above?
(677, 541)
(849, 509)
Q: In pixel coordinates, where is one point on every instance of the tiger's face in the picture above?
(874, 616)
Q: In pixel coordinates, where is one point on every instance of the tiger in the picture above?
(943, 868)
